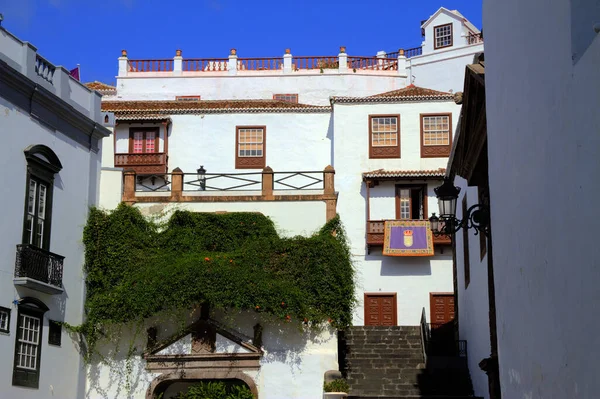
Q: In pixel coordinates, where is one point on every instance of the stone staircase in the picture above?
(387, 362)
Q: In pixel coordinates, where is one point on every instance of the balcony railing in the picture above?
(375, 232)
(474, 38)
(143, 163)
(35, 265)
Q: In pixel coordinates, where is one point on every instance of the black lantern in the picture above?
(447, 194)
(201, 173)
(477, 216)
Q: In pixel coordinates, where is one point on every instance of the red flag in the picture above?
(75, 73)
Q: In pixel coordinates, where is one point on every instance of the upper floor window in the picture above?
(4, 319)
(411, 202)
(26, 370)
(42, 164)
(292, 98)
(442, 36)
(436, 135)
(143, 140)
(250, 147)
(384, 136)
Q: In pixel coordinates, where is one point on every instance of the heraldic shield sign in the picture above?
(407, 238)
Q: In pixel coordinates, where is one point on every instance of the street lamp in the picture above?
(477, 216)
(201, 173)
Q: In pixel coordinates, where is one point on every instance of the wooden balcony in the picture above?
(375, 235)
(143, 163)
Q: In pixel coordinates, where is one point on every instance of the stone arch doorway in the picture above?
(168, 384)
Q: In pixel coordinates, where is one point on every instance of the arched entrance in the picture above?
(172, 383)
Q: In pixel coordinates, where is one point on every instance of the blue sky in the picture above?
(93, 32)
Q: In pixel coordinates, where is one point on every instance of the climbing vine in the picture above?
(137, 268)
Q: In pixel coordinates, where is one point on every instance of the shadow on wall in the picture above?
(404, 265)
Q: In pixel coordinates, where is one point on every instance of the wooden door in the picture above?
(380, 310)
(442, 308)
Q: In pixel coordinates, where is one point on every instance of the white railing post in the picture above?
(343, 60)
(381, 58)
(401, 63)
(123, 63)
(287, 61)
(177, 63)
(233, 62)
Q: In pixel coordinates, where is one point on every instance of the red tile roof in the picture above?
(410, 93)
(414, 91)
(103, 88)
(124, 108)
(402, 174)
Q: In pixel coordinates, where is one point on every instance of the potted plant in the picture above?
(336, 389)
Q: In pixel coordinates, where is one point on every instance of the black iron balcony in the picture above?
(38, 269)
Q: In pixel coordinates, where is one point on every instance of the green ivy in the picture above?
(216, 390)
(137, 268)
(339, 385)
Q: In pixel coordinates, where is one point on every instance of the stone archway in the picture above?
(191, 375)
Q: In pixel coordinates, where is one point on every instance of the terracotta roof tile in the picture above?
(101, 87)
(410, 93)
(123, 108)
(414, 91)
(399, 174)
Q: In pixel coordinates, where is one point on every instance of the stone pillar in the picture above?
(402, 63)
(176, 184)
(343, 60)
(177, 63)
(123, 64)
(129, 186)
(287, 61)
(267, 183)
(233, 62)
(329, 192)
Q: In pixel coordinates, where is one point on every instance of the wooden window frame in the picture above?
(436, 151)
(31, 307)
(250, 162)
(384, 151)
(466, 258)
(40, 171)
(133, 130)
(393, 294)
(435, 46)
(54, 333)
(398, 187)
(6, 328)
(294, 95)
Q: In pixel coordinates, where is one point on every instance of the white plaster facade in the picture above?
(35, 111)
(411, 278)
(302, 140)
(543, 172)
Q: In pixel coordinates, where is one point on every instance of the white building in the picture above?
(55, 128)
(286, 126)
(535, 145)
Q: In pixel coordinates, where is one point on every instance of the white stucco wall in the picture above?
(291, 218)
(412, 278)
(544, 171)
(294, 142)
(473, 301)
(312, 88)
(292, 366)
(74, 191)
(444, 69)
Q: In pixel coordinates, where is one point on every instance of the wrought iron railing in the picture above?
(298, 181)
(164, 65)
(39, 264)
(248, 181)
(153, 182)
(408, 53)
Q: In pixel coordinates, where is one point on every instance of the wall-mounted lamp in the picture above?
(477, 217)
(201, 173)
